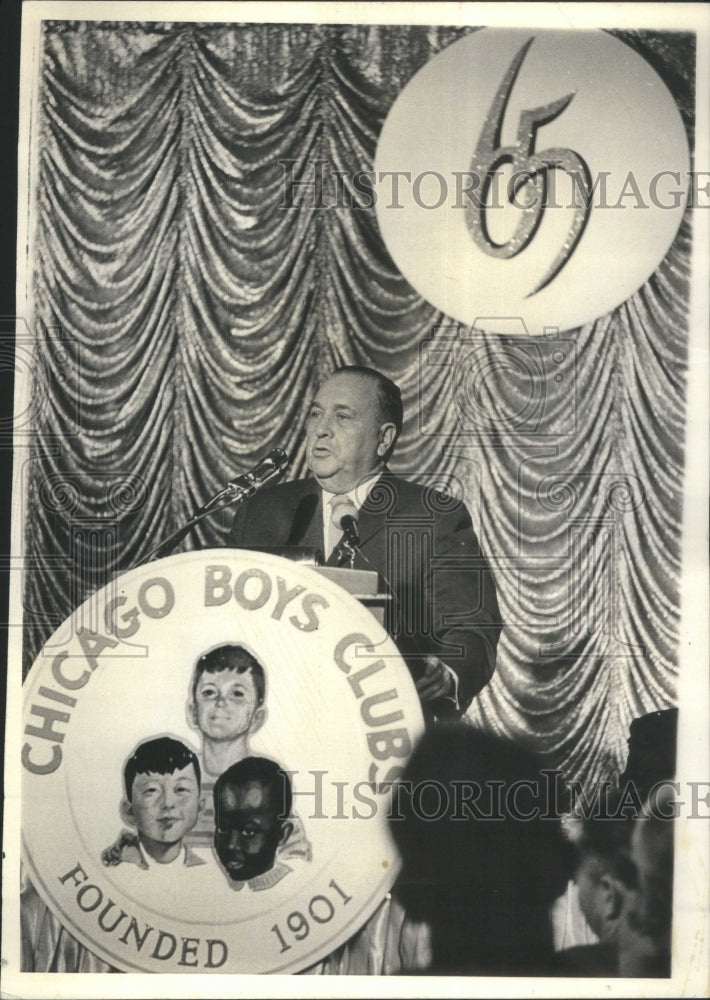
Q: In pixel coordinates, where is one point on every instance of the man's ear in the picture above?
(191, 713)
(127, 814)
(258, 719)
(286, 831)
(612, 897)
(386, 438)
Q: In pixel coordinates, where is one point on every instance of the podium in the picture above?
(365, 585)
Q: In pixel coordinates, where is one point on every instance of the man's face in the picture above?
(248, 829)
(226, 705)
(345, 439)
(164, 807)
(589, 890)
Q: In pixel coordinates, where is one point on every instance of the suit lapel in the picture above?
(370, 524)
(307, 523)
(373, 518)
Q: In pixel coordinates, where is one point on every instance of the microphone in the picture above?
(238, 489)
(349, 525)
(345, 517)
(241, 487)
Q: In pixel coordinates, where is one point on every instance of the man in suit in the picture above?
(444, 614)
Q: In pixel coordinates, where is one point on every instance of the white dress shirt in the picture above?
(358, 495)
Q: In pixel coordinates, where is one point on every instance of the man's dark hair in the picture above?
(258, 769)
(162, 755)
(231, 658)
(389, 395)
(652, 751)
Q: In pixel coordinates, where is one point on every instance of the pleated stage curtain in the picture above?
(200, 264)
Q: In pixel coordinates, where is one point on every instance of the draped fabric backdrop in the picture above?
(185, 310)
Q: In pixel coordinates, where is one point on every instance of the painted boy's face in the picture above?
(164, 807)
(226, 705)
(248, 829)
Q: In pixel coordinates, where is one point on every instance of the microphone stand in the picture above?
(345, 554)
(232, 494)
(236, 491)
(345, 551)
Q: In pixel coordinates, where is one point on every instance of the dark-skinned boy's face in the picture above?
(248, 829)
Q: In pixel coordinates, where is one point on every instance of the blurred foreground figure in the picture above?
(652, 751)
(481, 864)
(645, 931)
(604, 876)
(624, 878)
(608, 865)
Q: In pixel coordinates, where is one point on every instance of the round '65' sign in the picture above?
(208, 748)
(531, 180)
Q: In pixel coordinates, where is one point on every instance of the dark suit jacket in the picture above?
(423, 545)
(599, 959)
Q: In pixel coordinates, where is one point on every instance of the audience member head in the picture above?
(652, 751)
(483, 855)
(605, 870)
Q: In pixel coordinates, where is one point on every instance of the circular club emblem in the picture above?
(209, 745)
(531, 175)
